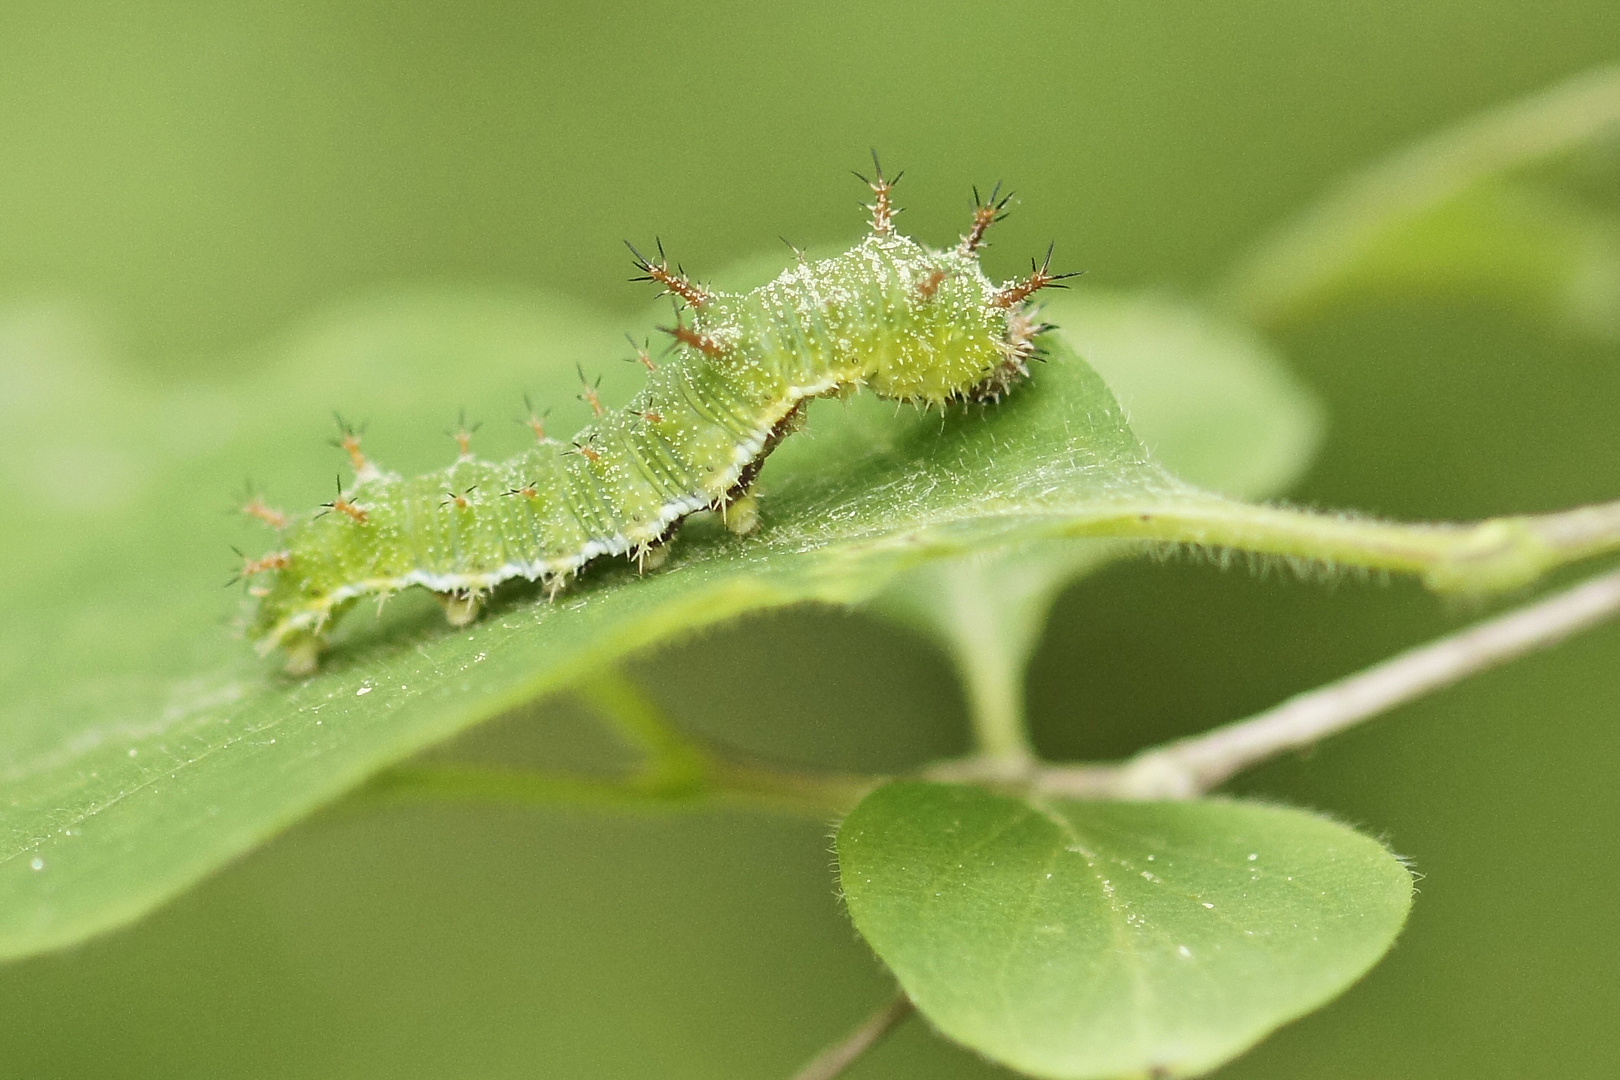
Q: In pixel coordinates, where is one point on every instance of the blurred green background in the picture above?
(193, 178)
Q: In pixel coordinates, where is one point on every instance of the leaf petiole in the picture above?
(1493, 555)
(671, 760)
(676, 771)
(819, 795)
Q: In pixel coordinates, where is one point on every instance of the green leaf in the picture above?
(142, 745)
(1518, 245)
(1212, 402)
(1074, 940)
(1473, 210)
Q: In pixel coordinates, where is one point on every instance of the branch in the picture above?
(1192, 766)
(832, 1061)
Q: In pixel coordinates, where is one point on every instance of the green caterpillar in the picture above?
(902, 320)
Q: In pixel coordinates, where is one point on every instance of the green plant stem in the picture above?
(1493, 555)
(672, 760)
(818, 794)
(991, 652)
(1280, 279)
(995, 687)
(453, 782)
(813, 794)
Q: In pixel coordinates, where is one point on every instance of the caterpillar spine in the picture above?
(889, 315)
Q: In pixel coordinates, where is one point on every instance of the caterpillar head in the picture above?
(955, 334)
(901, 319)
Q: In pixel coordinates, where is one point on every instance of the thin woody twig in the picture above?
(1178, 770)
(1194, 765)
(832, 1061)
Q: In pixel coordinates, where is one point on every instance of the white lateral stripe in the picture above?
(315, 616)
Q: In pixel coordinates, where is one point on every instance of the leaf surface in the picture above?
(1077, 940)
(142, 745)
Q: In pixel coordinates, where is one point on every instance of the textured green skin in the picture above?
(867, 317)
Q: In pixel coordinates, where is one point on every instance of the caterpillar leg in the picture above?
(741, 514)
(461, 607)
(655, 553)
(740, 507)
(303, 654)
(651, 556)
(555, 584)
(996, 386)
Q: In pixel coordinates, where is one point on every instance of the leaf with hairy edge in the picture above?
(143, 744)
(1075, 940)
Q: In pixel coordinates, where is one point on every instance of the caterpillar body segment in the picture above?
(889, 315)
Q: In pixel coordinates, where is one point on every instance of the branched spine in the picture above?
(675, 282)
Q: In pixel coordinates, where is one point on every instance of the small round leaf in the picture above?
(1077, 939)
